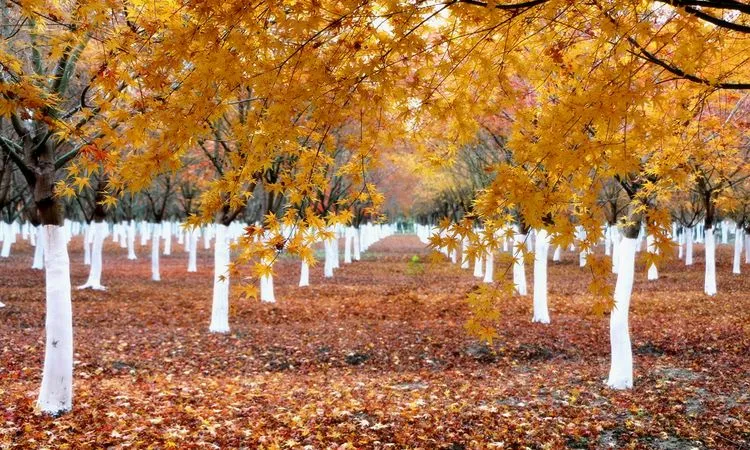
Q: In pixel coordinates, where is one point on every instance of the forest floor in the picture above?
(377, 357)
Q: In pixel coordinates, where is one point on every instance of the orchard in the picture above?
(443, 224)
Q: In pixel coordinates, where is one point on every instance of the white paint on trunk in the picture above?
(100, 230)
(709, 285)
(608, 241)
(131, 240)
(220, 304)
(335, 250)
(464, 254)
(192, 240)
(266, 288)
(557, 256)
(348, 245)
(616, 239)
(688, 246)
(8, 239)
(541, 312)
(621, 365)
(304, 274)
(519, 272)
(38, 262)
(738, 239)
(166, 233)
(328, 264)
(88, 237)
(355, 244)
(653, 272)
(478, 267)
(155, 275)
(489, 266)
(56, 393)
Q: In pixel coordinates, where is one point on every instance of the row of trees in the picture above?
(303, 100)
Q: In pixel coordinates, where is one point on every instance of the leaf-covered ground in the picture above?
(375, 358)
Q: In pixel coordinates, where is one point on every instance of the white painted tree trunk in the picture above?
(608, 241)
(464, 254)
(747, 248)
(653, 272)
(725, 232)
(709, 285)
(557, 256)
(328, 264)
(355, 245)
(681, 246)
(621, 366)
(616, 239)
(8, 238)
(688, 246)
(220, 305)
(335, 250)
(100, 230)
(88, 237)
(56, 393)
(266, 289)
(738, 239)
(519, 272)
(348, 245)
(166, 233)
(478, 267)
(155, 238)
(131, 240)
(541, 312)
(123, 229)
(39, 249)
(489, 266)
(304, 274)
(144, 230)
(192, 240)
(206, 238)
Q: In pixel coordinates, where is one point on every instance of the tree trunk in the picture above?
(709, 285)
(738, 239)
(155, 238)
(478, 266)
(355, 244)
(519, 272)
(220, 305)
(541, 313)
(464, 254)
(100, 230)
(56, 393)
(653, 272)
(304, 274)
(689, 232)
(489, 266)
(266, 288)
(39, 248)
(131, 240)
(348, 245)
(621, 367)
(166, 233)
(192, 239)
